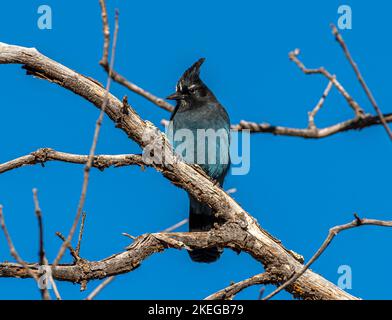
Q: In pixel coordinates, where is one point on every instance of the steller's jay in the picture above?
(197, 110)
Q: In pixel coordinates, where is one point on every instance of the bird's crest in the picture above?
(190, 76)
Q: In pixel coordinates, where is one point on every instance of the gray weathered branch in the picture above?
(242, 230)
(313, 133)
(46, 154)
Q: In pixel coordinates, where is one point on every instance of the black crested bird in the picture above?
(198, 110)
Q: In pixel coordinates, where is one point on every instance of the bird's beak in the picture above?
(175, 96)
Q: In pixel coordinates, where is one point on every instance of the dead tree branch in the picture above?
(42, 256)
(361, 80)
(101, 162)
(229, 292)
(118, 77)
(22, 264)
(360, 121)
(90, 159)
(310, 132)
(244, 232)
(176, 226)
(353, 124)
(238, 231)
(318, 106)
(98, 289)
(293, 55)
(230, 235)
(333, 232)
(81, 230)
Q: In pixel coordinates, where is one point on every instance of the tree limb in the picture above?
(118, 77)
(360, 121)
(100, 287)
(333, 232)
(276, 259)
(229, 292)
(87, 167)
(313, 133)
(46, 154)
(361, 80)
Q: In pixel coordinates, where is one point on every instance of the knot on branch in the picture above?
(41, 155)
(101, 163)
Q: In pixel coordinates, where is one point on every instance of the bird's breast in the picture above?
(201, 136)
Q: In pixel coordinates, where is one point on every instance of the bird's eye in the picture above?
(192, 89)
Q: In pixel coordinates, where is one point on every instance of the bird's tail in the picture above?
(202, 218)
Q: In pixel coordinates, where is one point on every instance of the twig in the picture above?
(319, 105)
(332, 233)
(176, 226)
(69, 246)
(233, 289)
(361, 80)
(128, 235)
(42, 257)
(98, 289)
(14, 253)
(293, 55)
(11, 246)
(77, 251)
(119, 78)
(38, 213)
(106, 34)
(92, 152)
(55, 289)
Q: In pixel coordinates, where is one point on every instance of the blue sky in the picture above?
(297, 189)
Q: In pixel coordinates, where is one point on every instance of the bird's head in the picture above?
(190, 87)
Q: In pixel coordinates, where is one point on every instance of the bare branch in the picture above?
(229, 292)
(361, 80)
(265, 127)
(77, 251)
(128, 235)
(98, 289)
(332, 234)
(308, 133)
(352, 124)
(319, 105)
(240, 232)
(91, 155)
(176, 226)
(14, 253)
(11, 246)
(46, 154)
(118, 77)
(229, 235)
(38, 213)
(106, 34)
(55, 289)
(69, 246)
(266, 249)
(42, 257)
(293, 55)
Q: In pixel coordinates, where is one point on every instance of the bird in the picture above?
(198, 110)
